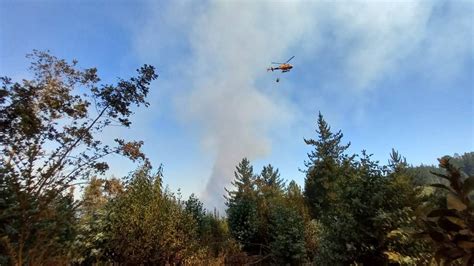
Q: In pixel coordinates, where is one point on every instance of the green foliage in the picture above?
(349, 234)
(92, 238)
(148, 225)
(464, 162)
(287, 235)
(262, 216)
(216, 239)
(269, 192)
(213, 231)
(286, 244)
(243, 223)
(398, 217)
(352, 210)
(452, 228)
(90, 244)
(365, 211)
(45, 239)
(423, 173)
(326, 164)
(194, 207)
(49, 128)
(269, 183)
(242, 207)
(374, 218)
(141, 223)
(296, 201)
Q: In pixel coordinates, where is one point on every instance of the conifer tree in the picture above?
(325, 165)
(287, 232)
(90, 244)
(269, 189)
(194, 207)
(242, 207)
(269, 180)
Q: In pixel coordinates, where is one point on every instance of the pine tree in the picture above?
(270, 181)
(242, 207)
(270, 192)
(325, 165)
(244, 180)
(194, 207)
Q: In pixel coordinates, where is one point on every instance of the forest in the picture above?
(351, 210)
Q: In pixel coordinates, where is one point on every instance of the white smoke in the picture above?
(231, 43)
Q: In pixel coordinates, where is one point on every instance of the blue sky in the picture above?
(388, 74)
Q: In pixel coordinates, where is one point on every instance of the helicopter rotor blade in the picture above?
(290, 59)
(275, 63)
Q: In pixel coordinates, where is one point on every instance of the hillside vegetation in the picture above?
(352, 210)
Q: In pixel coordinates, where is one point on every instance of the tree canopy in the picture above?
(49, 138)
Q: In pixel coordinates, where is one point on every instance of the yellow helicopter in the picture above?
(284, 67)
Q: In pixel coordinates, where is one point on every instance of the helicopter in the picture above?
(284, 67)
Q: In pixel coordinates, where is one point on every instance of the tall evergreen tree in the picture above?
(269, 189)
(323, 167)
(244, 180)
(242, 207)
(194, 207)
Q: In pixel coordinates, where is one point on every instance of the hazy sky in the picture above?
(389, 74)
